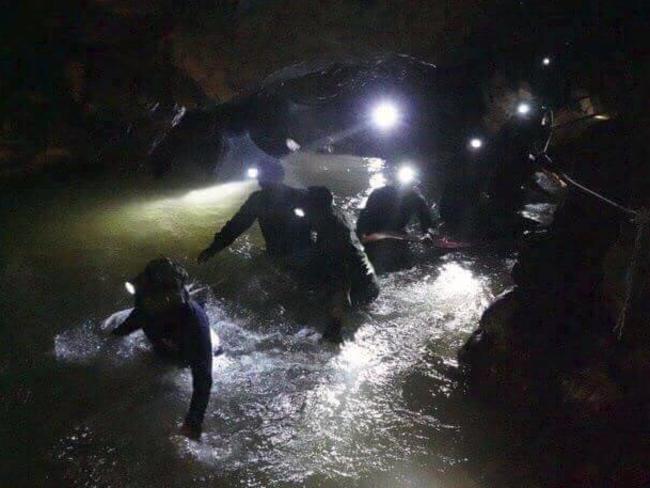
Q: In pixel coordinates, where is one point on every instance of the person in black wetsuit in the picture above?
(343, 260)
(178, 329)
(486, 191)
(278, 208)
(381, 225)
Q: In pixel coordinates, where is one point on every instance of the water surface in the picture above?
(86, 409)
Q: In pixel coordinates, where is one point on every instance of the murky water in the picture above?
(85, 409)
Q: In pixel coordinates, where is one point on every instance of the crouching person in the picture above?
(350, 275)
(178, 329)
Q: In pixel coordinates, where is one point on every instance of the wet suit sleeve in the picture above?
(199, 352)
(362, 222)
(365, 220)
(423, 212)
(136, 320)
(240, 222)
(360, 274)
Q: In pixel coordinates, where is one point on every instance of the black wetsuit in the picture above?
(344, 258)
(390, 209)
(182, 334)
(274, 208)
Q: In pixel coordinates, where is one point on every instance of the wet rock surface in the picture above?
(90, 80)
(551, 348)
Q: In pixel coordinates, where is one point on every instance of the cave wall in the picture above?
(78, 75)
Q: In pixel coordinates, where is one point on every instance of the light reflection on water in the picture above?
(215, 193)
(292, 409)
(285, 409)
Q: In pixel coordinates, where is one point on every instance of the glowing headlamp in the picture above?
(523, 108)
(299, 212)
(130, 288)
(406, 174)
(475, 143)
(252, 172)
(292, 145)
(385, 115)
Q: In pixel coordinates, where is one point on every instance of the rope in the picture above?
(591, 192)
(642, 220)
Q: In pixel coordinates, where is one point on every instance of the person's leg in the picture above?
(339, 304)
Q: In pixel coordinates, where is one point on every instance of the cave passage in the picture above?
(285, 408)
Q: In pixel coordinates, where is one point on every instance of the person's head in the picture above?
(319, 201)
(269, 174)
(405, 176)
(161, 286)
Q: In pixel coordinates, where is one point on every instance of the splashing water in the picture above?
(286, 409)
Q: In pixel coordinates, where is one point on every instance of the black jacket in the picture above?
(390, 209)
(274, 209)
(345, 257)
(184, 335)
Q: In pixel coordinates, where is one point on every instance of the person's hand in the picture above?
(427, 239)
(205, 255)
(191, 432)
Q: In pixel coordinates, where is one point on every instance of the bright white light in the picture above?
(385, 115)
(455, 280)
(353, 356)
(213, 194)
(377, 180)
(523, 108)
(406, 174)
(252, 172)
(292, 145)
(299, 212)
(375, 164)
(601, 117)
(129, 287)
(475, 143)
(546, 61)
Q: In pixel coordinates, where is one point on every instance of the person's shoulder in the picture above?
(339, 218)
(383, 195)
(291, 190)
(257, 194)
(256, 198)
(414, 193)
(384, 191)
(198, 313)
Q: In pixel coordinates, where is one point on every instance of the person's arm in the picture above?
(362, 282)
(368, 223)
(423, 212)
(235, 227)
(363, 223)
(199, 351)
(355, 258)
(136, 320)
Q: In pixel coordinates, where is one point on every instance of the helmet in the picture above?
(161, 283)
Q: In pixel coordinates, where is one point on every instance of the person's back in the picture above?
(174, 334)
(285, 229)
(178, 329)
(382, 225)
(391, 208)
(343, 253)
(278, 210)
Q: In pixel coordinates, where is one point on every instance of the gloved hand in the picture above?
(428, 238)
(205, 255)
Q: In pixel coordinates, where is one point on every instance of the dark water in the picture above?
(82, 408)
